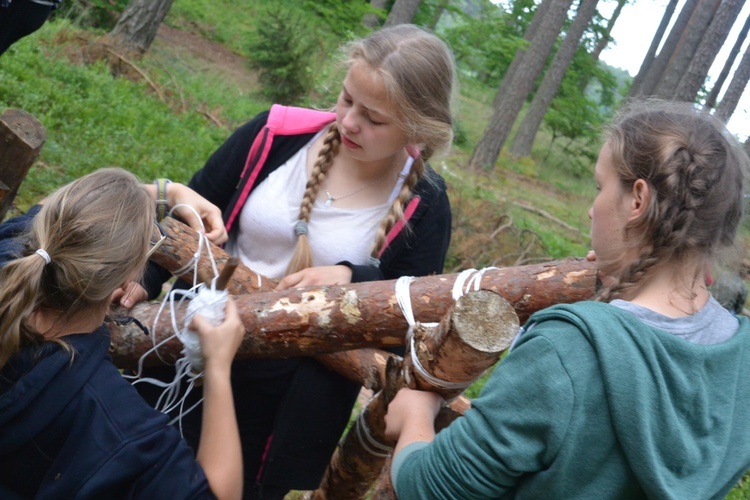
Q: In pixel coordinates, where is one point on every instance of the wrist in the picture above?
(161, 198)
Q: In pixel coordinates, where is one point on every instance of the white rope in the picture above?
(202, 299)
(368, 443)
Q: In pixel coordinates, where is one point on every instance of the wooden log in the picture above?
(177, 255)
(318, 320)
(468, 340)
(21, 139)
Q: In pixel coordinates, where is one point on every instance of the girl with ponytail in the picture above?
(320, 198)
(70, 425)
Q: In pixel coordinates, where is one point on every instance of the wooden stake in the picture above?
(21, 139)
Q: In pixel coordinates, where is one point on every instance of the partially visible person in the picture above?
(19, 18)
(644, 393)
(70, 425)
(318, 198)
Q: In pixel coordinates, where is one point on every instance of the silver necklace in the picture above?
(330, 198)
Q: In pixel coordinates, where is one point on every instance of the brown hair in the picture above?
(96, 231)
(695, 171)
(418, 72)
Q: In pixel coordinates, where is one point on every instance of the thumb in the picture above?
(198, 323)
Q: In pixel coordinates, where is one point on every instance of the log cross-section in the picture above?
(21, 140)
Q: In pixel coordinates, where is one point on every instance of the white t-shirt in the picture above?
(266, 239)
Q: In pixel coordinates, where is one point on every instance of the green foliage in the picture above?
(484, 46)
(91, 14)
(341, 19)
(281, 50)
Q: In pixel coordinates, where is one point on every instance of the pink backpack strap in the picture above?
(282, 120)
(401, 224)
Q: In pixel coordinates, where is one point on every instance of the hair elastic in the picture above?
(43, 253)
(300, 227)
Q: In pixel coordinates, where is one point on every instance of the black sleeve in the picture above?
(11, 246)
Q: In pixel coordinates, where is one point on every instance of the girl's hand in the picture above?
(412, 413)
(323, 275)
(129, 294)
(219, 343)
(179, 194)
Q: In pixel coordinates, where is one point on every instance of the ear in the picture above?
(641, 197)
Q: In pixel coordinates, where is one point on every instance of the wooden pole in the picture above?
(21, 139)
(319, 320)
(445, 359)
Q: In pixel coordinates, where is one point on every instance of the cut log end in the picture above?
(486, 321)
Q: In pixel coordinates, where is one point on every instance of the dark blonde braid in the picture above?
(302, 258)
(396, 211)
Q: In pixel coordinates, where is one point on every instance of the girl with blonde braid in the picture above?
(644, 393)
(317, 198)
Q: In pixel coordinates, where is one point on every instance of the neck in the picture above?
(674, 290)
(54, 324)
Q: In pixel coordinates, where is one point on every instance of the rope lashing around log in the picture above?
(208, 300)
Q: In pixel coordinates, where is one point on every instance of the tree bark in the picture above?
(656, 69)
(318, 320)
(514, 91)
(524, 138)
(687, 47)
(402, 12)
(21, 139)
(605, 39)
(137, 26)
(731, 97)
(696, 72)
(445, 359)
(648, 60)
(713, 96)
(373, 20)
(439, 9)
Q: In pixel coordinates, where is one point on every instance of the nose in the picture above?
(349, 121)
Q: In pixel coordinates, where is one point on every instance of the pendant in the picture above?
(329, 201)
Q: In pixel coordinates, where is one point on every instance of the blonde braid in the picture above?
(396, 211)
(302, 258)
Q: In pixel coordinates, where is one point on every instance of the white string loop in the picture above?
(369, 443)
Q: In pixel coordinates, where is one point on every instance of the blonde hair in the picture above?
(695, 171)
(96, 231)
(418, 73)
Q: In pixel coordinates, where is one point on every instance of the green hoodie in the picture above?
(594, 403)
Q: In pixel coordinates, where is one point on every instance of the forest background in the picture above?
(155, 86)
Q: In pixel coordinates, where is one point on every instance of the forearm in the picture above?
(219, 450)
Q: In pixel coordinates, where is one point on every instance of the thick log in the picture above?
(21, 139)
(447, 358)
(319, 320)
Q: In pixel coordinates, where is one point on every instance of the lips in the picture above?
(349, 143)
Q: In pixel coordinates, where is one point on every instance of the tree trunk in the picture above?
(687, 47)
(651, 54)
(445, 359)
(524, 138)
(137, 26)
(439, 9)
(373, 20)
(21, 139)
(655, 70)
(514, 91)
(713, 96)
(318, 320)
(709, 47)
(605, 39)
(736, 87)
(402, 12)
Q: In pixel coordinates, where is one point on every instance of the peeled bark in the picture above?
(21, 139)
(318, 320)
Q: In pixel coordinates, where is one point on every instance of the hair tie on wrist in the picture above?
(300, 227)
(43, 253)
